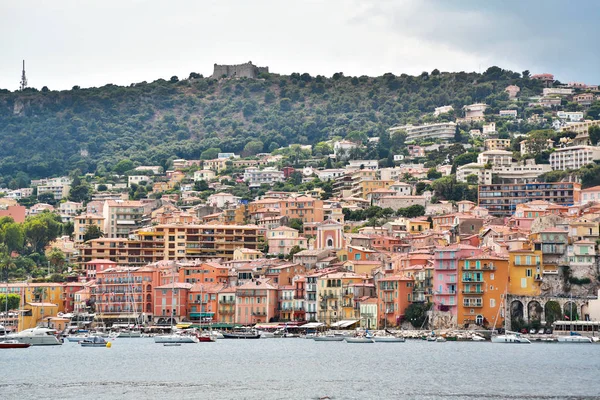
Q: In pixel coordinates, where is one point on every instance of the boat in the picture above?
(267, 335)
(93, 341)
(510, 337)
(129, 333)
(206, 338)
(175, 338)
(171, 344)
(359, 339)
(389, 339)
(251, 334)
(574, 337)
(77, 338)
(13, 344)
(477, 338)
(329, 338)
(440, 339)
(36, 337)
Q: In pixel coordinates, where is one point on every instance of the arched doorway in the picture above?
(516, 314)
(570, 311)
(552, 312)
(534, 311)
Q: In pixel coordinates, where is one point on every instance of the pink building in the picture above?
(17, 213)
(97, 265)
(256, 302)
(446, 275)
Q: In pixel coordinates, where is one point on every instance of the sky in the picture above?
(93, 43)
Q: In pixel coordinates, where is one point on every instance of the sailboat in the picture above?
(174, 337)
(130, 331)
(508, 336)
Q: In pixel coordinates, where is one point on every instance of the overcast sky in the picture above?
(92, 43)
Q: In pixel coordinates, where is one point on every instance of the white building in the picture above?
(520, 173)
(363, 164)
(343, 147)
(557, 91)
(484, 176)
(402, 188)
(154, 168)
(442, 110)
(20, 193)
(574, 157)
(137, 179)
(475, 112)
(222, 200)
(256, 177)
(443, 131)
(489, 129)
(573, 116)
(329, 174)
(495, 157)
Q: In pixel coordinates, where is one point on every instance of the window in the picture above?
(492, 303)
(479, 319)
(528, 272)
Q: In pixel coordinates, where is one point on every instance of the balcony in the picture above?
(469, 279)
(227, 301)
(473, 292)
(473, 303)
(259, 313)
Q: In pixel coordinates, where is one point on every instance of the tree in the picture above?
(102, 187)
(92, 232)
(416, 314)
(297, 223)
(552, 312)
(526, 74)
(80, 193)
(14, 301)
(416, 210)
(13, 236)
(201, 186)
(123, 166)
(210, 154)
(285, 104)
(294, 250)
(537, 141)
(194, 75)
(253, 147)
(433, 174)
(36, 233)
(594, 132)
(46, 197)
(57, 259)
(174, 79)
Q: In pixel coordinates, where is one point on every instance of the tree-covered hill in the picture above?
(46, 133)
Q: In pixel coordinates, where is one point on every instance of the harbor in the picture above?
(416, 369)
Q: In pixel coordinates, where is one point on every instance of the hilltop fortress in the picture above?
(247, 70)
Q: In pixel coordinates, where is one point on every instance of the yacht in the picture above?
(574, 338)
(175, 338)
(36, 337)
(510, 337)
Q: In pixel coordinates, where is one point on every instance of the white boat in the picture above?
(360, 339)
(329, 338)
(129, 334)
(389, 339)
(267, 335)
(440, 339)
(477, 338)
(175, 338)
(431, 338)
(36, 337)
(510, 337)
(77, 338)
(574, 339)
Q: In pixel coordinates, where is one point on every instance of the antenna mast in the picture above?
(23, 78)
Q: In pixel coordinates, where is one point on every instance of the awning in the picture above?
(344, 323)
(311, 325)
(117, 316)
(218, 325)
(201, 314)
(270, 325)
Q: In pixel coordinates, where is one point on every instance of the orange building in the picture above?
(171, 301)
(305, 208)
(394, 296)
(207, 272)
(69, 290)
(481, 291)
(283, 274)
(226, 310)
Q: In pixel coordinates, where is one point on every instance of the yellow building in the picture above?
(47, 292)
(34, 314)
(417, 225)
(584, 229)
(335, 298)
(246, 254)
(81, 223)
(525, 272)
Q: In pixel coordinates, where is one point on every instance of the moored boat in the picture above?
(175, 338)
(13, 344)
(388, 339)
(36, 337)
(93, 341)
(359, 339)
(329, 338)
(510, 337)
(574, 338)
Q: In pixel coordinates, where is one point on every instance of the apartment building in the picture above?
(495, 157)
(256, 177)
(308, 209)
(59, 191)
(283, 239)
(443, 131)
(580, 127)
(496, 144)
(574, 157)
(502, 199)
(121, 217)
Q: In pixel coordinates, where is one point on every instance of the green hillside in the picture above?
(47, 133)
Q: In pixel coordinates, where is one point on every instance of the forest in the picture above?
(50, 133)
